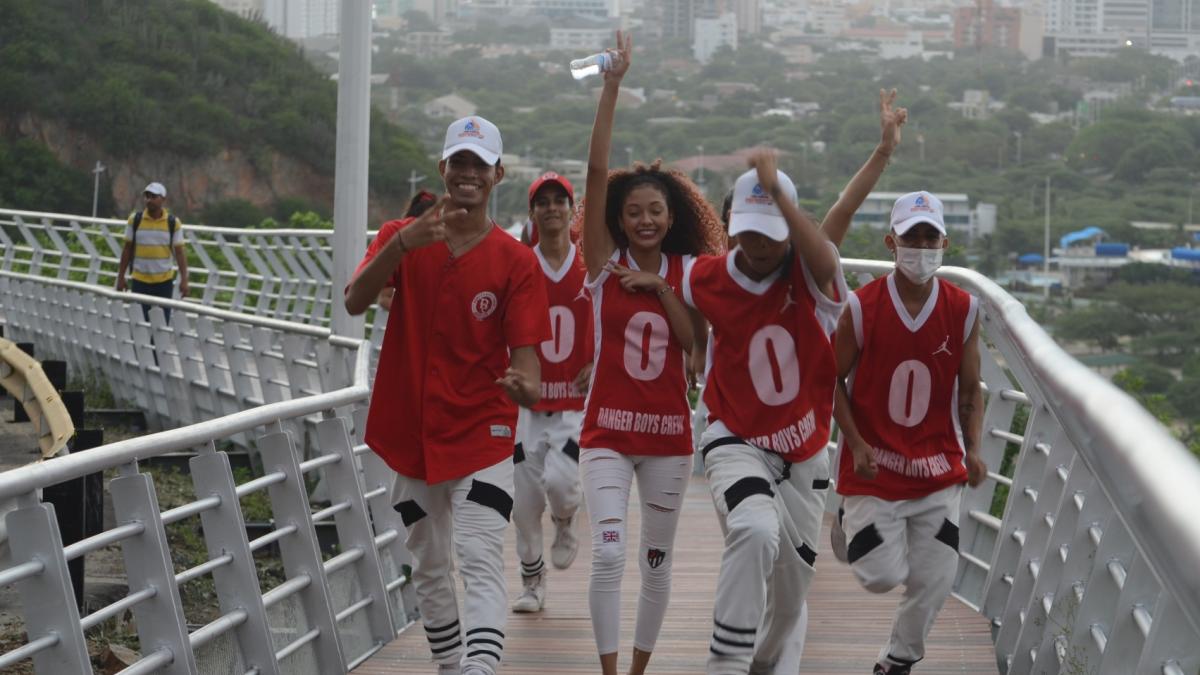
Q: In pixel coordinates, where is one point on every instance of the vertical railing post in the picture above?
(300, 553)
(160, 621)
(376, 474)
(47, 599)
(1041, 505)
(974, 539)
(354, 525)
(236, 583)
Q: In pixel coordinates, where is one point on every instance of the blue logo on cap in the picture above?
(471, 129)
(757, 191)
(920, 201)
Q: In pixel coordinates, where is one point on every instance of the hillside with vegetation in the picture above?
(151, 85)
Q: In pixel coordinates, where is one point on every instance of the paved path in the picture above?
(846, 624)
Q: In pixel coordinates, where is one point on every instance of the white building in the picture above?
(582, 36)
(300, 19)
(904, 46)
(241, 7)
(712, 34)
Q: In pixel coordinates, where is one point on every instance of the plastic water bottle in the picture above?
(591, 65)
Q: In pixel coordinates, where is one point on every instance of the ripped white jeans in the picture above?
(662, 482)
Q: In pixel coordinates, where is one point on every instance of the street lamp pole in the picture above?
(413, 181)
(629, 151)
(96, 186)
(1046, 248)
(1018, 135)
(700, 168)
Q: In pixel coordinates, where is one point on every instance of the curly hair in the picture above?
(696, 229)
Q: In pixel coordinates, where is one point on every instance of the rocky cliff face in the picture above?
(193, 183)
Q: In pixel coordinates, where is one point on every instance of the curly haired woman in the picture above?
(641, 227)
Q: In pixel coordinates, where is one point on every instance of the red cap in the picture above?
(551, 177)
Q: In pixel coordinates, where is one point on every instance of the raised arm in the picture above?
(598, 244)
(810, 243)
(837, 221)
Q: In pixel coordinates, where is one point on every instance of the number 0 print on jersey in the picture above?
(646, 345)
(908, 397)
(773, 366)
(562, 329)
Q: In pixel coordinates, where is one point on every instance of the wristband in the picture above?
(663, 291)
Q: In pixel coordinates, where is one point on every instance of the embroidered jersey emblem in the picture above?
(582, 295)
(611, 536)
(483, 305)
(944, 348)
(655, 557)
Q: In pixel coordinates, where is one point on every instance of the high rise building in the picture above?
(749, 16)
(245, 8)
(987, 24)
(299, 19)
(710, 34)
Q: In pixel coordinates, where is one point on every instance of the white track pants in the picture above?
(469, 515)
(913, 542)
(662, 483)
(771, 514)
(545, 469)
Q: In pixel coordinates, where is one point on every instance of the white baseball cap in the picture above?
(914, 208)
(475, 134)
(156, 189)
(754, 210)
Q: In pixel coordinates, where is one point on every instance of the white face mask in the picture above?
(918, 264)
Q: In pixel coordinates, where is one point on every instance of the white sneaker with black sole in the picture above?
(533, 595)
(566, 543)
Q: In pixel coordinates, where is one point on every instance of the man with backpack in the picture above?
(153, 237)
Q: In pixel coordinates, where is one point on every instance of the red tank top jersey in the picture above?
(904, 390)
(570, 346)
(637, 404)
(436, 411)
(772, 367)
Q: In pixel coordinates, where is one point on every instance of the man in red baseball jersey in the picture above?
(910, 408)
(546, 457)
(458, 357)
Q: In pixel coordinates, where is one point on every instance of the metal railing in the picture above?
(1083, 557)
(1093, 566)
(287, 382)
(278, 273)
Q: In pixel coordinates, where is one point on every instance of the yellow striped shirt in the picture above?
(153, 260)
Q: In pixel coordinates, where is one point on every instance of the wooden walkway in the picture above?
(846, 625)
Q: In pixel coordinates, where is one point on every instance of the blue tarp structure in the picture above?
(1196, 236)
(1081, 235)
(1181, 253)
(1031, 259)
(1112, 250)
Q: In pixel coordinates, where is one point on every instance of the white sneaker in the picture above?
(533, 596)
(566, 544)
(837, 538)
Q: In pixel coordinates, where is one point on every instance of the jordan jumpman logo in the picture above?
(583, 294)
(787, 303)
(944, 348)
